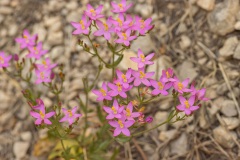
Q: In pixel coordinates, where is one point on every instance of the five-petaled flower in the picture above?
(82, 27)
(187, 105)
(70, 115)
(4, 60)
(200, 94)
(42, 117)
(121, 126)
(43, 76)
(125, 37)
(46, 65)
(117, 89)
(92, 13)
(120, 7)
(27, 40)
(36, 51)
(115, 111)
(142, 77)
(160, 87)
(124, 79)
(143, 26)
(142, 60)
(181, 87)
(105, 29)
(102, 93)
(128, 112)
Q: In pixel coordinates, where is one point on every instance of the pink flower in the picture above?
(104, 29)
(46, 65)
(43, 76)
(115, 111)
(200, 94)
(117, 90)
(187, 105)
(120, 24)
(92, 13)
(142, 60)
(125, 37)
(4, 60)
(128, 112)
(102, 93)
(160, 87)
(167, 75)
(121, 7)
(129, 23)
(82, 27)
(125, 79)
(121, 126)
(142, 77)
(143, 26)
(181, 86)
(40, 105)
(36, 52)
(27, 40)
(42, 117)
(70, 115)
(149, 119)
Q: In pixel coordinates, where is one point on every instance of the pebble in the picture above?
(55, 38)
(185, 42)
(231, 122)
(57, 51)
(167, 135)
(224, 137)
(236, 54)
(160, 117)
(145, 43)
(229, 47)
(187, 70)
(4, 2)
(5, 10)
(26, 136)
(127, 62)
(237, 25)
(179, 146)
(206, 4)
(72, 5)
(144, 9)
(12, 30)
(20, 149)
(228, 108)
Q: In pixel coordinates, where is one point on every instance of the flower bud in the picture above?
(149, 119)
(52, 76)
(15, 57)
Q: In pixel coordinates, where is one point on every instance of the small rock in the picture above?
(56, 27)
(160, 117)
(179, 146)
(5, 10)
(203, 60)
(203, 122)
(22, 112)
(228, 108)
(237, 25)
(229, 47)
(127, 62)
(185, 42)
(222, 89)
(41, 31)
(145, 43)
(181, 28)
(55, 38)
(4, 2)
(1, 18)
(236, 92)
(26, 136)
(224, 137)
(236, 54)
(186, 70)
(144, 9)
(12, 29)
(166, 135)
(20, 149)
(72, 5)
(231, 122)
(206, 4)
(50, 21)
(222, 19)
(57, 51)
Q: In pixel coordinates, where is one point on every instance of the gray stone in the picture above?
(20, 149)
(179, 146)
(72, 5)
(206, 4)
(224, 137)
(26, 136)
(57, 51)
(145, 43)
(55, 38)
(236, 54)
(231, 122)
(185, 42)
(5, 10)
(186, 70)
(228, 108)
(229, 47)
(160, 117)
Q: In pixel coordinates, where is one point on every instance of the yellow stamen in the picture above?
(119, 21)
(42, 114)
(44, 63)
(134, 103)
(124, 78)
(180, 86)
(24, 36)
(119, 86)
(114, 110)
(167, 74)
(105, 26)
(93, 12)
(130, 24)
(120, 124)
(142, 74)
(142, 24)
(70, 113)
(120, 6)
(124, 36)
(128, 112)
(103, 92)
(187, 104)
(36, 50)
(82, 24)
(142, 57)
(141, 109)
(1, 60)
(160, 85)
(42, 75)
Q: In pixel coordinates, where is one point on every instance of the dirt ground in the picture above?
(199, 39)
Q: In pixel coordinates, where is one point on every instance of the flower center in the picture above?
(142, 24)
(70, 113)
(187, 104)
(180, 86)
(42, 75)
(160, 85)
(36, 50)
(120, 6)
(167, 74)
(114, 110)
(103, 92)
(119, 86)
(42, 114)
(142, 57)
(119, 21)
(120, 124)
(25, 36)
(44, 63)
(128, 112)
(124, 36)
(93, 12)
(82, 24)
(124, 78)
(142, 74)
(1, 60)
(130, 24)
(105, 26)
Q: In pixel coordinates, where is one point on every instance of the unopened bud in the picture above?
(149, 119)
(15, 57)
(52, 75)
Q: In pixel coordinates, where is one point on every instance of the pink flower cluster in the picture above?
(121, 116)
(4, 60)
(43, 70)
(43, 118)
(126, 27)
